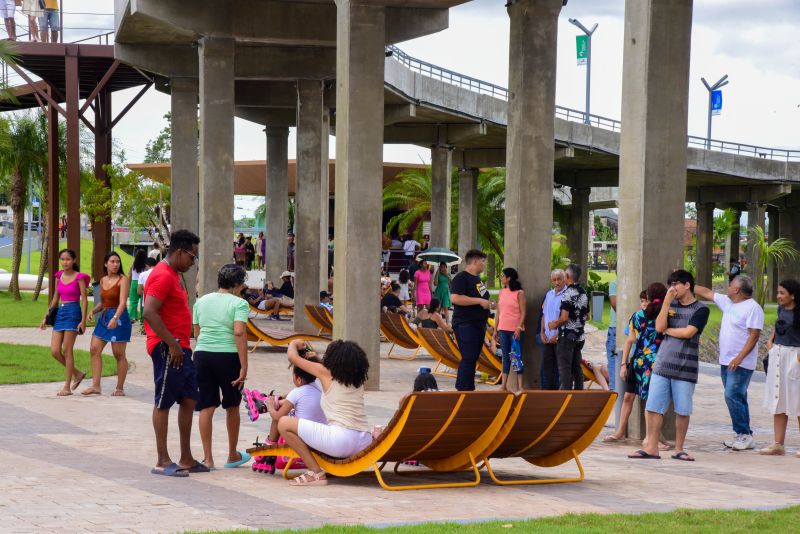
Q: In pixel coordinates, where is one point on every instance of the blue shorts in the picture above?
(68, 317)
(173, 385)
(663, 390)
(120, 334)
(50, 18)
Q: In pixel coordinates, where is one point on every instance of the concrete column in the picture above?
(277, 201)
(467, 211)
(772, 269)
(579, 229)
(216, 158)
(789, 228)
(308, 194)
(360, 38)
(655, 98)
(324, 201)
(184, 187)
(732, 242)
(756, 213)
(529, 157)
(441, 171)
(705, 243)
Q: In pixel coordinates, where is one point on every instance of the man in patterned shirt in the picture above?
(574, 311)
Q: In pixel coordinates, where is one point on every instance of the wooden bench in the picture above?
(549, 428)
(443, 430)
(320, 317)
(397, 330)
(277, 337)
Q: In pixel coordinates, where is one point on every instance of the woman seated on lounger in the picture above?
(431, 317)
(342, 373)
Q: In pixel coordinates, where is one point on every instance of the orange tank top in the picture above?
(109, 298)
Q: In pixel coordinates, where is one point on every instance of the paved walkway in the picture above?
(82, 464)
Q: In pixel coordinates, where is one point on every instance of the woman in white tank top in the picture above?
(342, 373)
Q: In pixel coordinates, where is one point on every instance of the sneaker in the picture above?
(744, 442)
(776, 449)
(729, 442)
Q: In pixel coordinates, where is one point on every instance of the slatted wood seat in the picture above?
(549, 428)
(276, 336)
(397, 330)
(282, 311)
(320, 317)
(444, 350)
(443, 430)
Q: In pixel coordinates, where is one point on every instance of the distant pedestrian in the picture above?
(113, 325)
(674, 376)
(782, 398)
(742, 323)
(551, 311)
(32, 10)
(49, 20)
(570, 324)
(510, 321)
(260, 246)
(470, 313)
(70, 300)
(134, 296)
(423, 285)
(611, 335)
(249, 252)
(7, 8)
(168, 323)
(442, 291)
(410, 249)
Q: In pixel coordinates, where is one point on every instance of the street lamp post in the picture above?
(711, 88)
(588, 33)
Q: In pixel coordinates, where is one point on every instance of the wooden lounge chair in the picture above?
(549, 428)
(282, 311)
(443, 430)
(588, 376)
(397, 330)
(321, 318)
(442, 347)
(277, 337)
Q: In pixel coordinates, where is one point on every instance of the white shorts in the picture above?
(333, 440)
(7, 8)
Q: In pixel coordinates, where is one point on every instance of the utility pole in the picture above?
(588, 63)
(711, 89)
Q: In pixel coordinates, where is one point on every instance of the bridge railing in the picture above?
(479, 86)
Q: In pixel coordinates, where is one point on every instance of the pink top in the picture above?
(423, 287)
(510, 312)
(71, 291)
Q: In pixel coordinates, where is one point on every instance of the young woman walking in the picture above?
(113, 325)
(442, 292)
(70, 319)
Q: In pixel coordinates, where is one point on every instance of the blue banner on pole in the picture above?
(716, 102)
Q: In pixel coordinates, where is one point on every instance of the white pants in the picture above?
(333, 440)
(7, 8)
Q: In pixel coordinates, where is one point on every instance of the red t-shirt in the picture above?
(164, 283)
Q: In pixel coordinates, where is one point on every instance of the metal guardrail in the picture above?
(479, 86)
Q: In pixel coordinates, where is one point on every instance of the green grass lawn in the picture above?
(85, 258)
(23, 364)
(24, 312)
(683, 520)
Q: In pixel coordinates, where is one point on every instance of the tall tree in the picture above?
(777, 252)
(159, 150)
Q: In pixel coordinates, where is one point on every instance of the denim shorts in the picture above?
(50, 19)
(68, 317)
(663, 390)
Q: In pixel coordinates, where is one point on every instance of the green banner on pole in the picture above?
(582, 48)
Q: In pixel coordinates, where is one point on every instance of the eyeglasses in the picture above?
(195, 257)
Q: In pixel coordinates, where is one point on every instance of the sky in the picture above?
(754, 43)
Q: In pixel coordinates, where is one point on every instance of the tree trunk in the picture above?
(18, 207)
(45, 255)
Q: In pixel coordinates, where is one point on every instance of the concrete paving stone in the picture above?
(83, 463)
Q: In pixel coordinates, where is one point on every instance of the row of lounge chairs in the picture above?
(448, 432)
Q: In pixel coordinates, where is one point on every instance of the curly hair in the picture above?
(231, 275)
(347, 363)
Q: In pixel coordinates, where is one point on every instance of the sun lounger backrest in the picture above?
(394, 329)
(440, 341)
(319, 316)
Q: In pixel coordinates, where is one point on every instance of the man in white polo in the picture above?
(742, 322)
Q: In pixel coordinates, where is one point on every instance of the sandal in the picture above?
(77, 381)
(611, 438)
(683, 456)
(118, 393)
(310, 478)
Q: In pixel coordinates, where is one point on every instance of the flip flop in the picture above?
(172, 470)
(245, 458)
(198, 467)
(682, 456)
(611, 438)
(642, 455)
(76, 381)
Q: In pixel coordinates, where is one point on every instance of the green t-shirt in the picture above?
(216, 313)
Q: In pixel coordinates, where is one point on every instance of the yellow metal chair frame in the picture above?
(321, 318)
(259, 336)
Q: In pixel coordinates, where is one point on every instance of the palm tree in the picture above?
(777, 252)
(724, 225)
(24, 158)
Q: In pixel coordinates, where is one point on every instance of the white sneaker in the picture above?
(729, 442)
(743, 442)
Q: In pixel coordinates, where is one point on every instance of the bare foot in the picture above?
(78, 379)
(91, 390)
(64, 393)
(119, 392)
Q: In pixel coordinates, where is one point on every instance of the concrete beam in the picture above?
(414, 134)
(479, 158)
(254, 93)
(587, 178)
(399, 113)
(461, 133)
(565, 152)
(738, 194)
(284, 63)
(166, 60)
(265, 116)
(405, 23)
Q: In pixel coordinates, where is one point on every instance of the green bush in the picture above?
(596, 283)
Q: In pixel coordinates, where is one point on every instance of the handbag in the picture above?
(515, 355)
(50, 318)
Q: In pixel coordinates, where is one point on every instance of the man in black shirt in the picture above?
(391, 301)
(574, 311)
(287, 288)
(470, 312)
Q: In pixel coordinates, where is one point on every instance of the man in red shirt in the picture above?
(168, 324)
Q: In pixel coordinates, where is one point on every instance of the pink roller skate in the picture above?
(256, 403)
(281, 461)
(264, 464)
